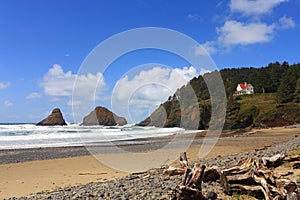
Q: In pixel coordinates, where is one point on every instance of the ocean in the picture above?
(21, 136)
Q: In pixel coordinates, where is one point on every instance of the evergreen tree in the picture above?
(287, 88)
(297, 92)
(276, 73)
(281, 78)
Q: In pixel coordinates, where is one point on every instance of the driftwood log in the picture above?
(255, 176)
(251, 176)
(190, 187)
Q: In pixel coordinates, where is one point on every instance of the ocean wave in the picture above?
(30, 136)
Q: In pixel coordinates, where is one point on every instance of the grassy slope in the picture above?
(257, 110)
(262, 110)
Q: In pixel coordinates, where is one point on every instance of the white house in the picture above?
(244, 88)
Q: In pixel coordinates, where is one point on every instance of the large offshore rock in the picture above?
(54, 119)
(102, 116)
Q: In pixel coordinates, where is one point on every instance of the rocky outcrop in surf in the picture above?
(54, 119)
(102, 116)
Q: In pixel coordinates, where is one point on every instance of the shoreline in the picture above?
(132, 145)
(34, 170)
(49, 153)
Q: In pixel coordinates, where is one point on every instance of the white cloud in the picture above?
(250, 31)
(204, 71)
(238, 33)
(205, 49)
(83, 88)
(8, 103)
(4, 85)
(58, 83)
(168, 78)
(286, 23)
(146, 90)
(74, 103)
(33, 95)
(254, 7)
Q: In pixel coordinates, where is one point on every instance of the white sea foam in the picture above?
(30, 136)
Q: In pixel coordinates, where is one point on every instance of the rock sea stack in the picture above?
(102, 116)
(54, 119)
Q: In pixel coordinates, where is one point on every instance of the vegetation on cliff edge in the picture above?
(276, 101)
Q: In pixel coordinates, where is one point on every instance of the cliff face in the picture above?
(157, 118)
(187, 119)
(103, 116)
(275, 102)
(54, 119)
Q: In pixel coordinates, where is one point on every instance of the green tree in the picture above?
(287, 88)
(297, 92)
(276, 72)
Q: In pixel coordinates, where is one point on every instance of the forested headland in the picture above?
(276, 101)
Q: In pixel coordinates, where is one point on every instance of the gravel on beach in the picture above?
(49, 153)
(23, 155)
(152, 184)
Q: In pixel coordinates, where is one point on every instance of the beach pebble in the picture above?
(211, 195)
(154, 185)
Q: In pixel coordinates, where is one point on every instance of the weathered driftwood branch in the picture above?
(196, 176)
(253, 176)
(186, 176)
(171, 171)
(211, 174)
(292, 158)
(183, 160)
(187, 193)
(191, 184)
(190, 187)
(273, 161)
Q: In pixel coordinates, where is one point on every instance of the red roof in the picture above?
(243, 86)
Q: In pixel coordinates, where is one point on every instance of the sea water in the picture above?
(19, 136)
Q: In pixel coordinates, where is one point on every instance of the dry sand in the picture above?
(19, 179)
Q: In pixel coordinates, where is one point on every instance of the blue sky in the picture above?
(44, 43)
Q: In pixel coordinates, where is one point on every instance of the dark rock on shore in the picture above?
(102, 116)
(157, 118)
(54, 119)
(188, 118)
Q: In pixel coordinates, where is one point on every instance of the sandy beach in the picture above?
(30, 171)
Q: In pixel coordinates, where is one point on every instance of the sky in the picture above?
(45, 46)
